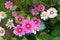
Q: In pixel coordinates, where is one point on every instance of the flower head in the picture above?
(35, 11)
(19, 19)
(41, 7)
(28, 26)
(8, 5)
(35, 30)
(10, 23)
(36, 21)
(19, 31)
(52, 12)
(44, 15)
(2, 31)
(14, 13)
(2, 15)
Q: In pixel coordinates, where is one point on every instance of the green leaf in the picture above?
(28, 17)
(58, 17)
(56, 38)
(53, 21)
(56, 31)
(13, 8)
(1, 38)
(38, 39)
(58, 9)
(24, 38)
(14, 38)
(45, 37)
(58, 2)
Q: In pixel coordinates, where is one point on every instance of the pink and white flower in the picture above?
(28, 26)
(19, 19)
(18, 31)
(35, 11)
(52, 12)
(2, 31)
(41, 7)
(8, 4)
(35, 30)
(36, 21)
(14, 13)
(10, 23)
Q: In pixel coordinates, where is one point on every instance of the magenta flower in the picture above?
(19, 19)
(18, 31)
(36, 21)
(8, 4)
(28, 26)
(41, 7)
(14, 13)
(35, 11)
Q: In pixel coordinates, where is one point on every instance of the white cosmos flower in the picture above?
(2, 31)
(52, 12)
(44, 15)
(35, 30)
(10, 23)
(2, 15)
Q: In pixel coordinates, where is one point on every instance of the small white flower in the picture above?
(44, 15)
(52, 12)
(35, 30)
(2, 15)
(2, 31)
(10, 23)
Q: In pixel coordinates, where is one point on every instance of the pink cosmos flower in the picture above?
(8, 4)
(41, 7)
(35, 11)
(28, 26)
(2, 31)
(19, 19)
(14, 13)
(18, 31)
(36, 21)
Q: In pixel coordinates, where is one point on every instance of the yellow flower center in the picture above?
(44, 15)
(1, 31)
(51, 12)
(2, 14)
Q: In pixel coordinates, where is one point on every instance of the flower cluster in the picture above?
(26, 26)
(50, 13)
(23, 25)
